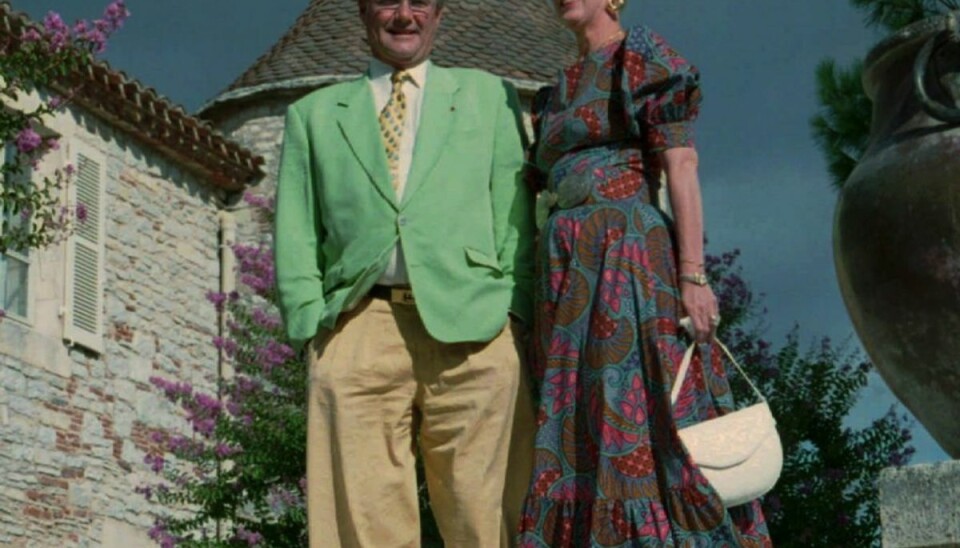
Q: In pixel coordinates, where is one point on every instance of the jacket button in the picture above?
(401, 221)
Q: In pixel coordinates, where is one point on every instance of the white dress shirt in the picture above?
(381, 86)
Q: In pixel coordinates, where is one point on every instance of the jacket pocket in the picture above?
(479, 258)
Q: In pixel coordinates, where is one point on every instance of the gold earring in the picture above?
(614, 6)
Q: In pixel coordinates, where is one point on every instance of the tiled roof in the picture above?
(518, 39)
(139, 110)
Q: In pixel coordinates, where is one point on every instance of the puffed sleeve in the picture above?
(534, 177)
(664, 90)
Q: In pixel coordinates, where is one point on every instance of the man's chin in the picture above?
(403, 57)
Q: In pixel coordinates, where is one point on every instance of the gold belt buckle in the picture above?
(401, 295)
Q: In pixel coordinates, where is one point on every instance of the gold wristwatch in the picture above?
(697, 278)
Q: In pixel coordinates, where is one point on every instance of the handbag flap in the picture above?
(731, 439)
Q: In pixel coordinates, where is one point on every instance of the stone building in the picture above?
(91, 319)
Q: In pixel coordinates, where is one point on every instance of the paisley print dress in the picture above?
(609, 467)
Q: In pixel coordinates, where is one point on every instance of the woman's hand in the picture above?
(700, 304)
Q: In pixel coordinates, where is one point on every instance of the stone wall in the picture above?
(74, 425)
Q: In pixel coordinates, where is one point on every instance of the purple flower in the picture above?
(54, 23)
(81, 213)
(115, 14)
(204, 427)
(208, 404)
(250, 537)
(228, 346)
(281, 499)
(58, 33)
(160, 534)
(28, 140)
(172, 389)
(274, 353)
(145, 490)
(30, 35)
(155, 461)
(234, 408)
(224, 451)
(260, 201)
(266, 320)
(97, 40)
(69, 169)
(218, 299)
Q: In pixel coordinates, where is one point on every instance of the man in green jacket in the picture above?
(404, 241)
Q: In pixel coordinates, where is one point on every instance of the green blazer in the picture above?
(465, 220)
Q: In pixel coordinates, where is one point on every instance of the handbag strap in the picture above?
(685, 365)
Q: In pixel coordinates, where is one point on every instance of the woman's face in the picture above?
(579, 13)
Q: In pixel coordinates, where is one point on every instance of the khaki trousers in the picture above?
(376, 381)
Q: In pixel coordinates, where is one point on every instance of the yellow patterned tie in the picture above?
(391, 124)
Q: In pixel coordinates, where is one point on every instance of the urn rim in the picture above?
(911, 33)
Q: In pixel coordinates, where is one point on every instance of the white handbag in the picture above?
(739, 453)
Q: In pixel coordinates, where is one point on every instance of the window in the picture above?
(14, 264)
(85, 252)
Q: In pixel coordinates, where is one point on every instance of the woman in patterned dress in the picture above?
(615, 275)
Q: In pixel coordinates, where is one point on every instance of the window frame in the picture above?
(25, 257)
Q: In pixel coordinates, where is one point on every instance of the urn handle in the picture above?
(951, 35)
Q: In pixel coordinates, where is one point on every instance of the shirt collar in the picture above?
(378, 69)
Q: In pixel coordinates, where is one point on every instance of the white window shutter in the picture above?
(85, 252)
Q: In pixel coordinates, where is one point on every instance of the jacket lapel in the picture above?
(357, 118)
(436, 119)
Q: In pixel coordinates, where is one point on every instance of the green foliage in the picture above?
(842, 127)
(32, 216)
(826, 495)
(238, 476)
(38, 59)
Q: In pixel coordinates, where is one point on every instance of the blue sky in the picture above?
(765, 185)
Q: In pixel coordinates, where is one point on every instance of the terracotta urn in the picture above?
(897, 224)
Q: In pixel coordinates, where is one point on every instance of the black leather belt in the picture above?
(393, 294)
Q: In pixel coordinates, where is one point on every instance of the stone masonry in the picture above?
(74, 425)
